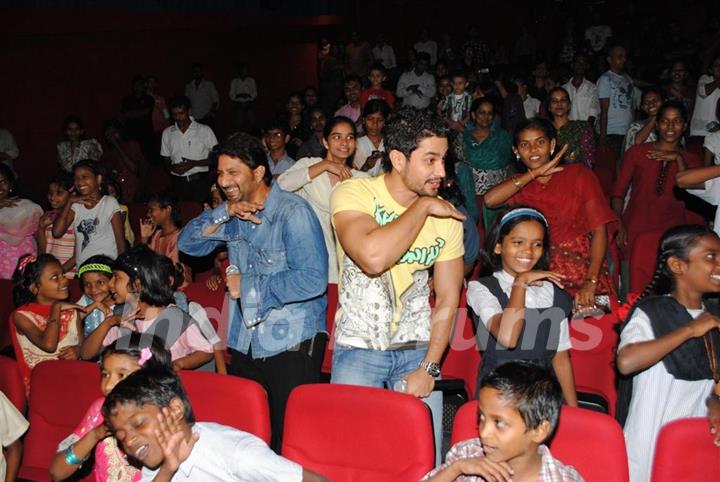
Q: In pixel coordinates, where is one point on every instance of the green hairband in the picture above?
(94, 267)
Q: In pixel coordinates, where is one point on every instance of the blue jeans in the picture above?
(377, 368)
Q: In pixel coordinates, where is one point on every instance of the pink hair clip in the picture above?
(26, 261)
(145, 355)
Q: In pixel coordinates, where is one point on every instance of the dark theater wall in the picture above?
(58, 63)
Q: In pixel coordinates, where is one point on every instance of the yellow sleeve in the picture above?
(352, 195)
(452, 231)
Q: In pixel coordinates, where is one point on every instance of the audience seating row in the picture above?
(358, 433)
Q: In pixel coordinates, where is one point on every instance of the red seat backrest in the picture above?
(237, 402)
(643, 259)
(591, 442)
(11, 383)
(216, 304)
(685, 451)
(462, 357)
(332, 304)
(62, 390)
(358, 434)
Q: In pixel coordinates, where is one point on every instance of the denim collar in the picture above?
(272, 202)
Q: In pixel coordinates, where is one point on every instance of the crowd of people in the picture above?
(527, 184)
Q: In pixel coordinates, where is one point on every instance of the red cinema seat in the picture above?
(358, 434)
(234, 401)
(462, 358)
(11, 383)
(332, 304)
(61, 392)
(643, 259)
(685, 451)
(591, 442)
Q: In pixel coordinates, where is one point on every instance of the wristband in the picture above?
(71, 458)
(592, 280)
(518, 183)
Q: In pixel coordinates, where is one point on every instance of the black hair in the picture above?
(247, 149)
(111, 180)
(376, 105)
(63, 179)
(377, 66)
(497, 232)
(422, 56)
(459, 73)
(165, 200)
(676, 242)
(149, 387)
(407, 128)
(91, 165)
(533, 390)
(483, 100)
(557, 88)
(98, 259)
(175, 273)
(651, 89)
(73, 119)
(143, 264)
(678, 105)
(132, 344)
(112, 123)
(352, 78)
(9, 175)
(277, 123)
(543, 125)
(24, 278)
(449, 188)
(178, 101)
(330, 125)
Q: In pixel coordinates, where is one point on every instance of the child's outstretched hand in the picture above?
(174, 442)
(535, 278)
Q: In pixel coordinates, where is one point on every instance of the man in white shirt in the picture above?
(243, 93)
(417, 87)
(186, 147)
(203, 96)
(8, 148)
(427, 45)
(584, 102)
(708, 94)
(384, 53)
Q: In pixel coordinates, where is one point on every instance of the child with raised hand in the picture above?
(161, 228)
(95, 217)
(63, 248)
(95, 274)
(150, 414)
(518, 410)
(669, 349)
(522, 305)
(120, 359)
(143, 296)
(44, 326)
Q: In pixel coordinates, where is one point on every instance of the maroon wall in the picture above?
(57, 63)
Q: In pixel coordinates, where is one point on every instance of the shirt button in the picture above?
(249, 266)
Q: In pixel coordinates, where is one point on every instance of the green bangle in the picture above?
(71, 458)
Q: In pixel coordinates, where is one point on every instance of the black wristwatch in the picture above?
(433, 369)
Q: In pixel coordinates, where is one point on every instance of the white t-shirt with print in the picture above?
(93, 229)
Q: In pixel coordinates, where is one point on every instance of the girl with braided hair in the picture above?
(669, 348)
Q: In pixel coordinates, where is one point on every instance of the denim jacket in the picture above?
(284, 267)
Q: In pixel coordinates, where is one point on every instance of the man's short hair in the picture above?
(246, 148)
(407, 128)
(422, 56)
(533, 390)
(178, 101)
(277, 123)
(149, 387)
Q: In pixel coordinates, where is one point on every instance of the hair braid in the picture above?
(658, 275)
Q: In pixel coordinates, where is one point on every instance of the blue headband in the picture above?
(516, 213)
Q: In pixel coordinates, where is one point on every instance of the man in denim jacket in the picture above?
(276, 330)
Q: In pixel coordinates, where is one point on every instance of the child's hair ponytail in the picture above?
(147, 348)
(27, 273)
(676, 242)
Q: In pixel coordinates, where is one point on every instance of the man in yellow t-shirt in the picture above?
(390, 231)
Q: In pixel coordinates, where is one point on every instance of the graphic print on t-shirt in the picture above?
(87, 228)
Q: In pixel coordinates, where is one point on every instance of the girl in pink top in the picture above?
(63, 248)
(125, 356)
(142, 288)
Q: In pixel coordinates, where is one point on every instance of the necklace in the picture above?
(712, 357)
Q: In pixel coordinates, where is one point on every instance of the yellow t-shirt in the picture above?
(392, 310)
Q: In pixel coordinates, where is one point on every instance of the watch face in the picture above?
(433, 369)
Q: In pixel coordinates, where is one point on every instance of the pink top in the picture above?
(110, 462)
(190, 341)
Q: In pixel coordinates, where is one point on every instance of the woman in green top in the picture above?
(484, 154)
(578, 135)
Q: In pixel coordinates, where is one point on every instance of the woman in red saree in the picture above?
(577, 211)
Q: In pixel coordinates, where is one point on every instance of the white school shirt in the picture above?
(243, 86)
(712, 144)
(93, 229)
(711, 194)
(485, 305)
(705, 105)
(657, 399)
(584, 102)
(194, 144)
(226, 454)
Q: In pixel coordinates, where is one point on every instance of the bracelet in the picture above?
(592, 280)
(518, 183)
(71, 458)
